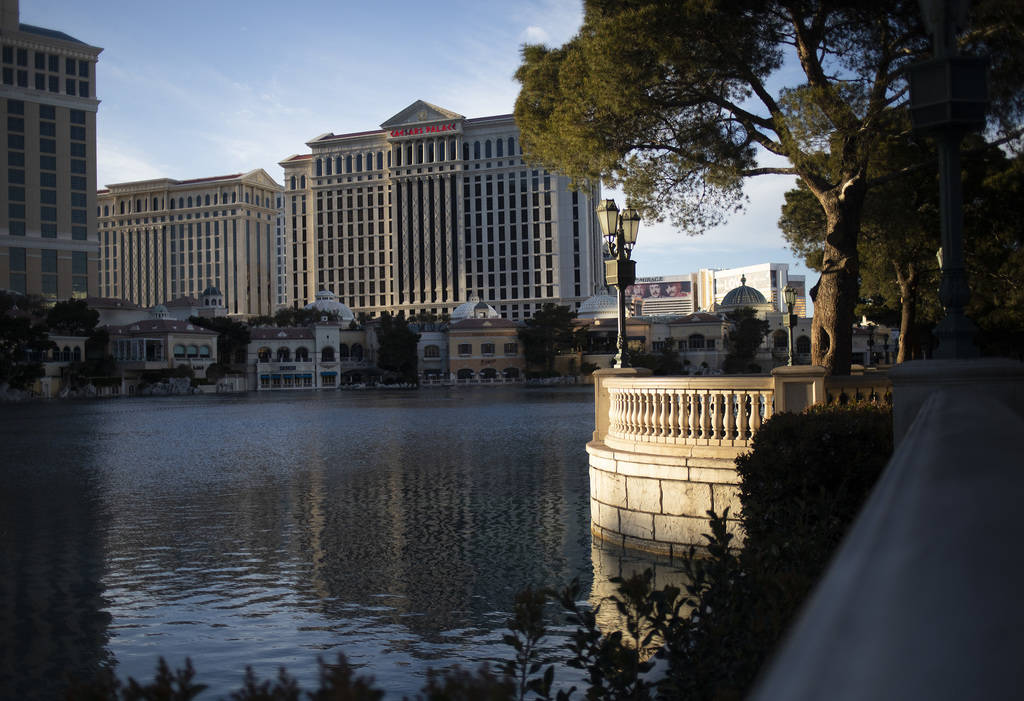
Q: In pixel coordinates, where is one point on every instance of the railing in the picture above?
(704, 411)
(872, 387)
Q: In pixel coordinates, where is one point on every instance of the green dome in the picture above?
(743, 296)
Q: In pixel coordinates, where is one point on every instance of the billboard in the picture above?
(659, 288)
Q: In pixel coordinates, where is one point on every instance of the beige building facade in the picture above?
(164, 239)
(430, 210)
(48, 109)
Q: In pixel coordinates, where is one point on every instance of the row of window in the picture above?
(301, 355)
(187, 202)
(465, 349)
(47, 74)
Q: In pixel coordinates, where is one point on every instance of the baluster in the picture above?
(627, 413)
(730, 417)
(673, 414)
(694, 415)
(769, 405)
(634, 413)
(717, 415)
(652, 413)
(664, 430)
(755, 413)
(705, 415)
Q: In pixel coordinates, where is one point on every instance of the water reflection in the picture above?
(264, 530)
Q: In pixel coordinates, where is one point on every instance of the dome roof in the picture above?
(212, 291)
(474, 309)
(159, 312)
(600, 306)
(327, 302)
(743, 296)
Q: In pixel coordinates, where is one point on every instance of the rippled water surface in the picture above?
(267, 530)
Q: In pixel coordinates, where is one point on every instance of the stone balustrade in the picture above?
(697, 411)
(664, 449)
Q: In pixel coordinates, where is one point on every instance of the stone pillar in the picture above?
(798, 387)
(913, 382)
(601, 402)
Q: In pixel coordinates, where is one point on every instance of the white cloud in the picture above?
(534, 35)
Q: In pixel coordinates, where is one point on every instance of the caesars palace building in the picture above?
(432, 210)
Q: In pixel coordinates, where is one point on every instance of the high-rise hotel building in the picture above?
(164, 239)
(433, 209)
(48, 108)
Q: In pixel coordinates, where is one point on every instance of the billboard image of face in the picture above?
(658, 290)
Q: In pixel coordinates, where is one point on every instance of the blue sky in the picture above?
(192, 89)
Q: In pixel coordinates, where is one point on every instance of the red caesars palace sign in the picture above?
(417, 131)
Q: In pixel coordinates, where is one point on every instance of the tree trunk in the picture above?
(908, 313)
(838, 288)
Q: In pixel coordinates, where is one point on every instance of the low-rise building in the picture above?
(160, 344)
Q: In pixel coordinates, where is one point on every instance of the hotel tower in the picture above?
(431, 210)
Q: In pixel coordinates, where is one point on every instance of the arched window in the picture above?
(430, 152)
(329, 164)
(302, 186)
(487, 148)
(247, 198)
(419, 153)
(357, 351)
(453, 153)
(283, 354)
(327, 355)
(488, 374)
(511, 146)
(181, 203)
(465, 150)
(138, 205)
(215, 198)
(76, 354)
(206, 201)
(500, 145)
(122, 206)
(389, 159)
(234, 195)
(66, 354)
(179, 351)
(465, 374)
(343, 351)
(398, 156)
(319, 167)
(301, 355)
(359, 163)
(476, 149)
(338, 163)
(204, 351)
(380, 160)
(293, 182)
(803, 345)
(695, 342)
(510, 373)
(408, 155)
(440, 150)
(348, 164)
(190, 201)
(431, 352)
(192, 351)
(780, 340)
(155, 204)
(106, 210)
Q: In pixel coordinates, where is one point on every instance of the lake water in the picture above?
(265, 530)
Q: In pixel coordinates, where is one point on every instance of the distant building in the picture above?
(164, 239)
(48, 180)
(770, 279)
(431, 209)
(670, 294)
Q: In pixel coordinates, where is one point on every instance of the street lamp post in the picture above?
(871, 346)
(790, 295)
(948, 98)
(620, 272)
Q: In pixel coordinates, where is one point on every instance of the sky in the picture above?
(193, 89)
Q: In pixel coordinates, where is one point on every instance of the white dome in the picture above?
(159, 312)
(600, 306)
(474, 309)
(327, 302)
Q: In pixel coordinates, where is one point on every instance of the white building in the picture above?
(430, 209)
(770, 279)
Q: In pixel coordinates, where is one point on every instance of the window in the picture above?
(487, 348)
(511, 348)
(301, 355)
(431, 352)
(263, 354)
(465, 349)
(695, 342)
(803, 345)
(327, 355)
